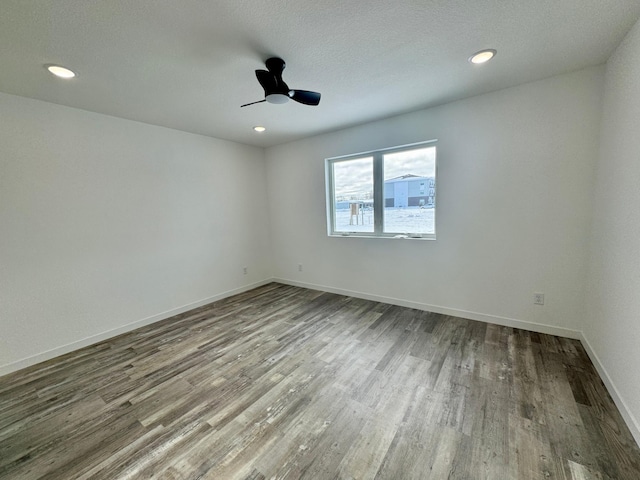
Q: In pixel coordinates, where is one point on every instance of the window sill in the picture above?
(384, 237)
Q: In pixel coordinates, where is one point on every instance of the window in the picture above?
(386, 193)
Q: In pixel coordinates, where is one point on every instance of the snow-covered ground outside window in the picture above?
(396, 220)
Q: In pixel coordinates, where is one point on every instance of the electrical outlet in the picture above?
(245, 270)
(299, 267)
(538, 298)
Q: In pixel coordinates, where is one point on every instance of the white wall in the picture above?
(514, 187)
(105, 222)
(612, 329)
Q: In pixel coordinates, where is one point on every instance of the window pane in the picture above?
(353, 195)
(410, 191)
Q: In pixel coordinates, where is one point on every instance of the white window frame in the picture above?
(378, 193)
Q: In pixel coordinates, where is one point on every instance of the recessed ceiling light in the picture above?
(61, 72)
(482, 56)
(259, 128)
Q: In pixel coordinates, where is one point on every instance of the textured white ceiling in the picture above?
(189, 64)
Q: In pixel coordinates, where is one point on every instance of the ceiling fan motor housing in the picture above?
(275, 65)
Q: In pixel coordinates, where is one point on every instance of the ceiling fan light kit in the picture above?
(277, 98)
(276, 91)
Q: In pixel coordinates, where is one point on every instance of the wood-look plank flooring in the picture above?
(284, 383)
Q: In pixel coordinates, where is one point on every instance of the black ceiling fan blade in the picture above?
(267, 80)
(252, 103)
(305, 96)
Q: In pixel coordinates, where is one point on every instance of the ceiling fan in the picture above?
(276, 91)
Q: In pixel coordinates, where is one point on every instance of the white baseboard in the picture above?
(482, 317)
(85, 342)
(629, 418)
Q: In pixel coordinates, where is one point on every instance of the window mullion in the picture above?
(378, 193)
